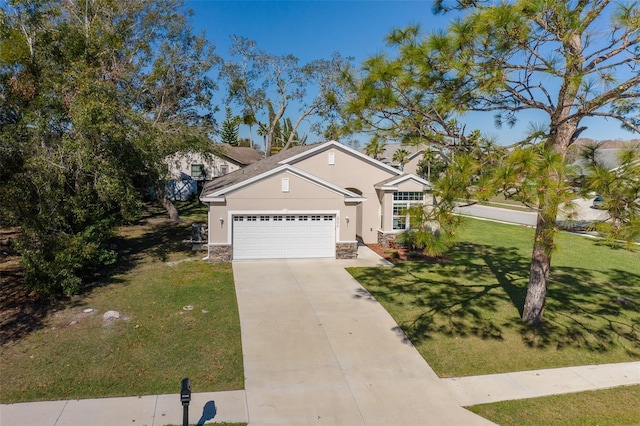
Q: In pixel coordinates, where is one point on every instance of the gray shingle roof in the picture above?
(242, 155)
(391, 148)
(254, 169)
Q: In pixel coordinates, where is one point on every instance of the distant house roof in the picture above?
(608, 157)
(241, 155)
(391, 148)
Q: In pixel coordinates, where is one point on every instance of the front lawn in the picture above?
(609, 407)
(178, 318)
(463, 313)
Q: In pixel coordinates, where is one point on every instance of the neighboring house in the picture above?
(188, 171)
(415, 155)
(310, 201)
(607, 157)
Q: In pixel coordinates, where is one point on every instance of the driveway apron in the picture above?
(318, 349)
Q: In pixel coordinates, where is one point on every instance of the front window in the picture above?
(224, 169)
(402, 202)
(197, 171)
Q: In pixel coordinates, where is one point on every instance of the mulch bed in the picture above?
(401, 254)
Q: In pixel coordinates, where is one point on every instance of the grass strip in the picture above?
(609, 407)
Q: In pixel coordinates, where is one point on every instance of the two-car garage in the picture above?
(283, 236)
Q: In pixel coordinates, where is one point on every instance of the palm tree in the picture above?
(401, 156)
(374, 148)
(249, 119)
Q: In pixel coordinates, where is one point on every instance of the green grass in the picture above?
(73, 354)
(500, 201)
(463, 314)
(217, 424)
(613, 407)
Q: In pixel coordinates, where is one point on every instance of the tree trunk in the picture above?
(543, 246)
(539, 274)
(171, 209)
(546, 227)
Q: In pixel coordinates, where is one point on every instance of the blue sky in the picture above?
(315, 29)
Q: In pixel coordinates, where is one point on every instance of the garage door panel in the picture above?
(289, 236)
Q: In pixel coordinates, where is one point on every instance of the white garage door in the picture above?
(283, 236)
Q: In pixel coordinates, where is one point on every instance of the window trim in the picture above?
(198, 172)
(404, 200)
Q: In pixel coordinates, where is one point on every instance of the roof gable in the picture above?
(392, 183)
(318, 148)
(219, 194)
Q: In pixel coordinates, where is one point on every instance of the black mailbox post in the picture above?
(185, 398)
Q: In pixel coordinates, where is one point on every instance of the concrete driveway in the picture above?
(319, 350)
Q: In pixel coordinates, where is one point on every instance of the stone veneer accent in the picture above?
(387, 240)
(218, 254)
(347, 250)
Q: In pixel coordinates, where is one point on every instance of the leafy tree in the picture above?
(268, 86)
(230, 130)
(566, 60)
(93, 95)
(554, 58)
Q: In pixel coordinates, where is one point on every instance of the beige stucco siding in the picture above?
(412, 165)
(267, 196)
(386, 206)
(351, 173)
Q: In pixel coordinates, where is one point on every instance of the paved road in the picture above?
(582, 212)
(495, 213)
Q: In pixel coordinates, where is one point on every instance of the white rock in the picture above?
(111, 315)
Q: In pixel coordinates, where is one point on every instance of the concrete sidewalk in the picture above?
(148, 410)
(531, 384)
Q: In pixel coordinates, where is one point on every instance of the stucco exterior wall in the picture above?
(351, 173)
(386, 206)
(267, 196)
(412, 165)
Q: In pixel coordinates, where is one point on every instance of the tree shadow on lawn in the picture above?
(481, 291)
(23, 312)
(582, 312)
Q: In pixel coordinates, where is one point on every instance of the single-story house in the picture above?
(188, 170)
(309, 201)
